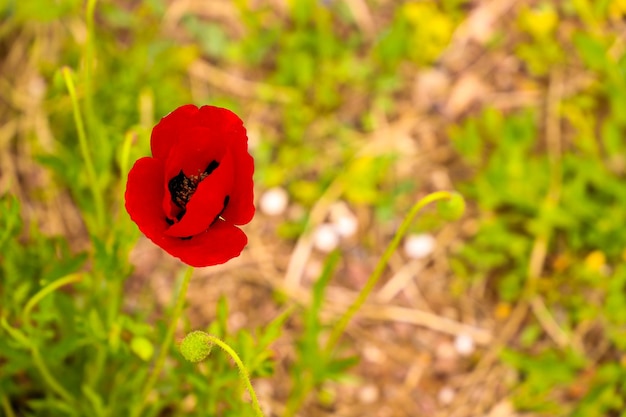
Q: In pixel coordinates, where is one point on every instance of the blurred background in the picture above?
(355, 109)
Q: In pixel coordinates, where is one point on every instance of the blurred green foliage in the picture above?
(570, 195)
(68, 349)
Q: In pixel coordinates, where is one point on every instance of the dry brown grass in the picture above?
(405, 333)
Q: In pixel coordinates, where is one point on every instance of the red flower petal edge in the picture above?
(190, 196)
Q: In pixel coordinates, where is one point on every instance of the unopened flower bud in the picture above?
(196, 346)
(452, 208)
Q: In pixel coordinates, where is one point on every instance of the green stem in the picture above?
(68, 279)
(243, 372)
(84, 148)
(165, 346)
(295, 402)
(47, 376)
(6, 406)
(89, 57)
(39, 362)
(341, 325)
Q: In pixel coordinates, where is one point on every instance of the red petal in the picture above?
(144, 194)
(216, 246)
(223, 122)
(240, 209)
(207, 202)
(228, 126)
(195, 150)
(166, 133)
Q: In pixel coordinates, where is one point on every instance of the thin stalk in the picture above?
(89, 57)
(54, 285)
(294, 403)
(165, 346)
(93, 123)
(40, 364)
(47, 376)
(32, 302)
(6, 406)
(243, 372)
(93, 373)
(341, 325)
(84, 148)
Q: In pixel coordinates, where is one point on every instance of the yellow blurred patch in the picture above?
(502, 311)
(432, 30)
(595, 261)
(540, 22)
(617, 9)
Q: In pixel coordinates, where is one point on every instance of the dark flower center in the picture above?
(182, 187)
(226, 200)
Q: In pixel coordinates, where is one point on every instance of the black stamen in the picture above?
(180, 188)
(211, 167)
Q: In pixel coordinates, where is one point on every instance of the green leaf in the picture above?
(142, 347)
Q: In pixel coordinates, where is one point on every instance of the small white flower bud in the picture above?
(419, 246)
(274, 201)
(446, 395)
(464, 344)
(325, 238)
(346, 226)
(343, 220)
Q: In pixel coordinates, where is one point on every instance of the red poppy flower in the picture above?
(189, 197)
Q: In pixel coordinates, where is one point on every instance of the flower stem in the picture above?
(341, 325)
(38, 360)
(243, 372)
(84, 148)
(53, 286)
(89, 57)
(165, 346)
(6, 406)
(47, 376)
